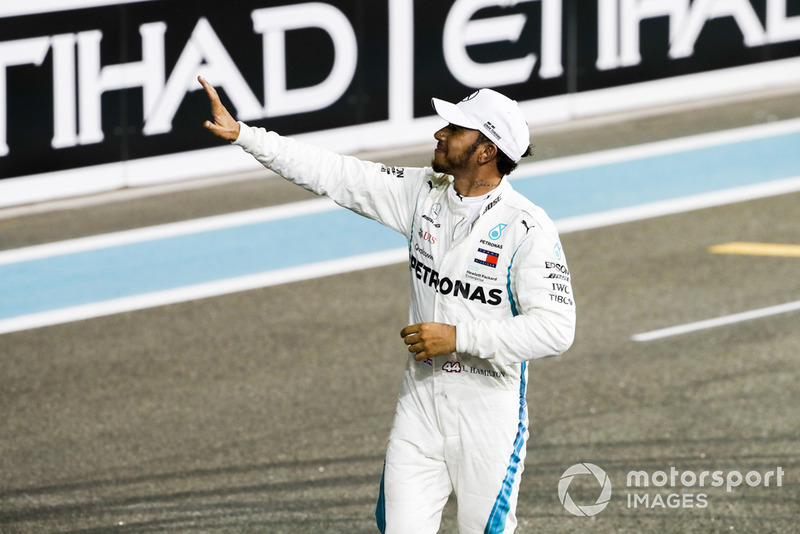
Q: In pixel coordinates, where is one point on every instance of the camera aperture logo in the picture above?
(589, 509)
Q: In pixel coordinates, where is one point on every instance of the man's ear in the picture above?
(487, 153)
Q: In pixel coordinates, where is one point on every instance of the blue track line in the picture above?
(74, 279)
(126, 270)
(664, 177)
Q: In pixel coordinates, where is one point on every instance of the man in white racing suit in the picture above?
(490, 291)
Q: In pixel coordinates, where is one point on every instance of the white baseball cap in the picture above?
(495, 115)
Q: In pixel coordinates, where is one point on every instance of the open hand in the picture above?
(428, 340)
(224, 125)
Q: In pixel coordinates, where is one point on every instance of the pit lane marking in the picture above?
(757, 249)
(739, 248)
(719, 321)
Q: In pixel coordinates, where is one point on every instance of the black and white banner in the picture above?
(100, 94)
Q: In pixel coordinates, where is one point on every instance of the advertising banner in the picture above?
(101, 94)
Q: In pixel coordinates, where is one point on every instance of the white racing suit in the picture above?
(461, 421)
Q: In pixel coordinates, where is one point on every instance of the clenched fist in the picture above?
(428, 340)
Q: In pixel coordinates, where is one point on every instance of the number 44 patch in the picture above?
(452, 367)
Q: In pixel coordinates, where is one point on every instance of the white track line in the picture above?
(570, 224)
(199, 291)
(719, 321)
(657, 148)
(678, 205)
(150, 233)
(306, 207)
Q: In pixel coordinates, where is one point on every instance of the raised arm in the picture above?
(224, 125)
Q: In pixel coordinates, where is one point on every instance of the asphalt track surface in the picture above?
(268, 410)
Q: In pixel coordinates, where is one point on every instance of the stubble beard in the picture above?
(449, 166)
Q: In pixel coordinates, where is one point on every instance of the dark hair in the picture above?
(505, 165)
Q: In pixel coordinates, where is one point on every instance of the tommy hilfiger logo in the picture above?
(487, 257)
